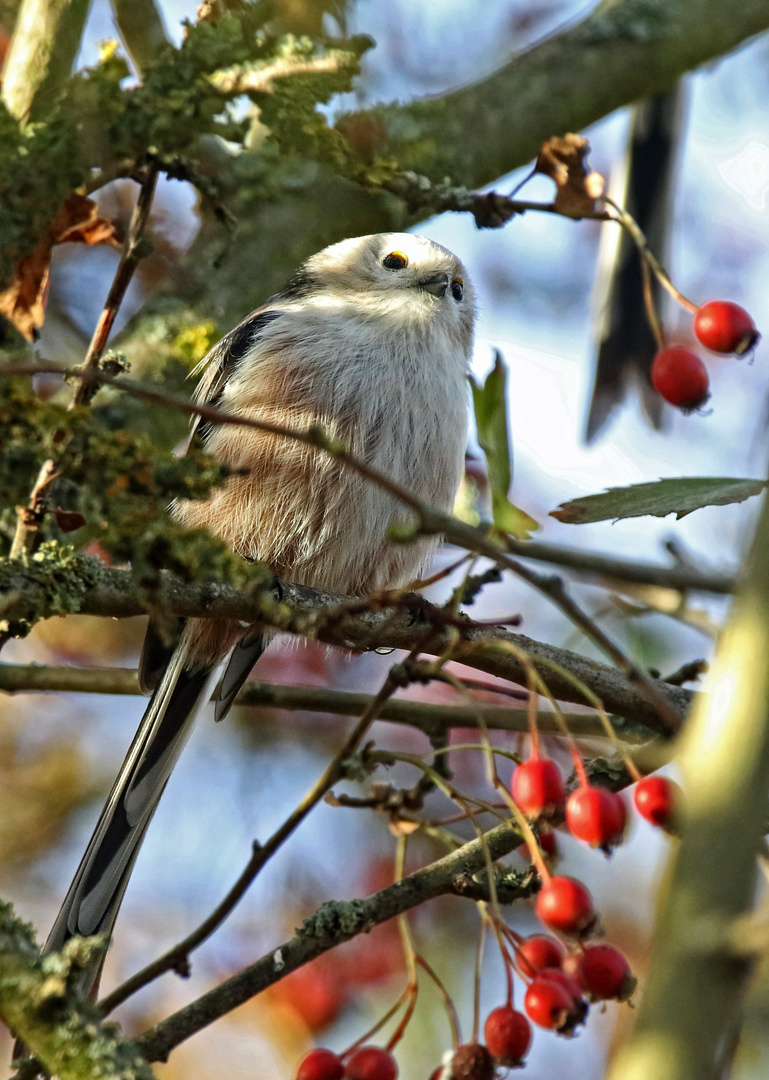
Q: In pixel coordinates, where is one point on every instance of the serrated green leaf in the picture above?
(680, 496)
(490, 405)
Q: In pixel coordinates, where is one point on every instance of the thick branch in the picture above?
(336, 621)
(142, 30)
(622, 52)
(43, 49)
(334, 923)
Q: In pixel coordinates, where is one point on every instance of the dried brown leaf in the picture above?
(564, 159)
(78, 221)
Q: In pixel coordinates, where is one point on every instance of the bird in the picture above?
(370, 340)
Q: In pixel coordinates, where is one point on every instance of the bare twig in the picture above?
(334, 923)
(30, 517)
(430, 718)
(133, 250)
(177, 958)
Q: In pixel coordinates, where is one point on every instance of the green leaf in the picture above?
(490, 405)
(680, 496)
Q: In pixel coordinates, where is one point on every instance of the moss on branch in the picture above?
(40, 1005)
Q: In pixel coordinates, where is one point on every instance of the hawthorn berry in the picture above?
(564, 904)
(724, 327)
(472, 1062)
(597, 816)
(538, 952)
(508, 1036)
(604, 973)
(680, 377)
(548, 842)
(537, 787)
(551, 1005)
(371, 1063)
(571, 985)
(656, 799)
(320, 1065)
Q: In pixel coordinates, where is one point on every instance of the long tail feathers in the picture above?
(92, 902)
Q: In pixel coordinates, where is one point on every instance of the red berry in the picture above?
(537, 787)
(597, 816)
(605, 974)
(508, 1036)
(320, 1065)
(680, 377)
(570, 983)
(548, 842)
(371, 1063)
(564, 904)
(472, 1062)
(538, 952)
(724, 327)
(552, 1006)
(656, 798)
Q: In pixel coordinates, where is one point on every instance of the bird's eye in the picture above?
(457, 288)
(396, 260)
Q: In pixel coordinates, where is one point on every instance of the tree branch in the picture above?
(430, 718)
(622, 52)
(45, 42)
(37, 1002)
(334, 923)
(336, 621)
(142, 30)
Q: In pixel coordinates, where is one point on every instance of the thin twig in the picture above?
(30, 517)
(334, 923)
(133, 251)
(177, 958)
(425, 716)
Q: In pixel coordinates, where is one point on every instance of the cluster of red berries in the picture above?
(560, 983)
(679, 375)
(365, 1063)
(593, 814)
(560, 986)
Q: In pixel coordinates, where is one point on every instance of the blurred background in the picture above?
(538, 281)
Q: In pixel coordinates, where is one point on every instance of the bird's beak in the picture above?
(437, 284)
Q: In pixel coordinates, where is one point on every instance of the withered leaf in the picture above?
(78, 221)
(69, 520)
(564, 159)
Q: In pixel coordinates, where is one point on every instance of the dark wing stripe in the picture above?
(225, 356)
(244, 656)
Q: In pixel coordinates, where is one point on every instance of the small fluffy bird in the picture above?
(370, 340)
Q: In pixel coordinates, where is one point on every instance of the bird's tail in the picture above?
(92, 902)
